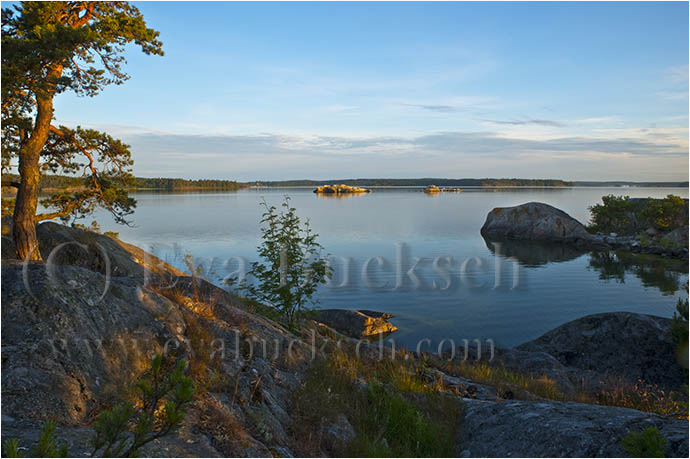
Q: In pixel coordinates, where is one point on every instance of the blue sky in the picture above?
(268, 91)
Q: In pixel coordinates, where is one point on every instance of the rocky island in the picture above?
(432, 189)
(654, 226)
(341, 189)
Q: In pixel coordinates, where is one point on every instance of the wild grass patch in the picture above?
(504, 379)
(394, 412)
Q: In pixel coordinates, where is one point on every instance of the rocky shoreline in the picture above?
(70, 346)
(635, 244)
(539, 222)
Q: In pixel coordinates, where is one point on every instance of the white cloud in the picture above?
(278, 156)
(598, 120)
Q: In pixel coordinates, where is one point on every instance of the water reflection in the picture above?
(653, 271)
(339, 195)
(533, 254)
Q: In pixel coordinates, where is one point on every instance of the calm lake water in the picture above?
(538, 288)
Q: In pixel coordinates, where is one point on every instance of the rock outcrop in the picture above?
(75, 340)
(66, 344)
(77, 247)
(559, 429)
(677, 238)
(356, 324)
(622, 345)
(534, 221)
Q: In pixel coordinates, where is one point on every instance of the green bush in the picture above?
(47, 445)
(391, 417)
(648, 443)
(618, 214)
(614, 215)
(121, 431)
(665, 214)
(294, 266)
(393, 427)
(165, 393)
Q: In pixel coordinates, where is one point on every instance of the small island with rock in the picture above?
(654, 226)
(341, 189)
(433, 189)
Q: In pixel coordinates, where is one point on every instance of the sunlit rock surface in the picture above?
(535, 221)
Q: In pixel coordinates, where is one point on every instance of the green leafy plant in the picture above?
(613, 215)
(648, 443)
(293, 265)
(165, 392)
(394, 427)
(10, 448)
(664, 214)
(47, 445)
(390, 417)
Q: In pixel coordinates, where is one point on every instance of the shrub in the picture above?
(293, 267)
(393, 427)
(664, 214)
(165, 393)
(391, 417)
(648, 443)
(47, 445)
(614, 215)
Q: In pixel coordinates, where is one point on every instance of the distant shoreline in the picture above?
(466, 183)
(52, 183)
(416, 187)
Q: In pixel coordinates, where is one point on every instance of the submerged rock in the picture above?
(535, 221)
(356, 324)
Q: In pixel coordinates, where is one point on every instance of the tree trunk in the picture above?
(24, 224)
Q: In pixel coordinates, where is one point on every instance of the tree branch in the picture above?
(61, 213)
(10, 183)
(86, 153)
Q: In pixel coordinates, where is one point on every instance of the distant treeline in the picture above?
(446, 182)
(640, 184)
(54, 182)
(176, 184)
(443, 182)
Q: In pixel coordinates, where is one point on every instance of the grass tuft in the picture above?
(394, 411)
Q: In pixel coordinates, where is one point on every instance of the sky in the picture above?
(272, 91)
